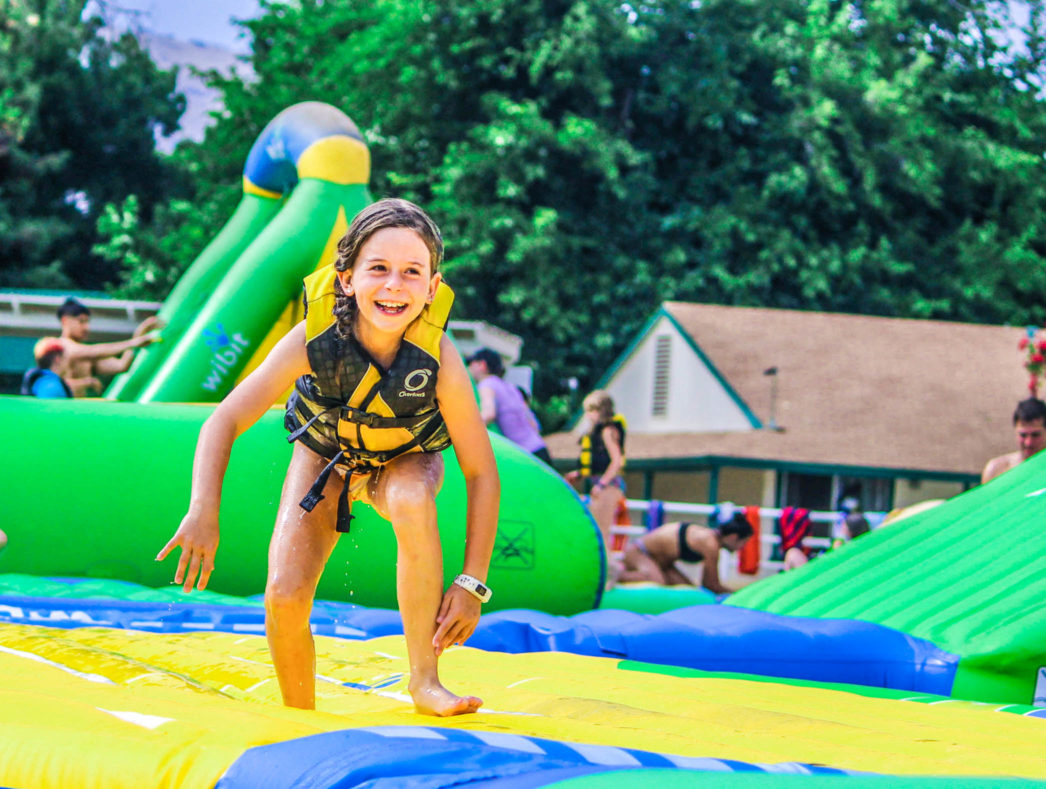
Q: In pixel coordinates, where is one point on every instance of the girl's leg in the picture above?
(639, 567)
(603, 507)
(301, 544)
(404, 492)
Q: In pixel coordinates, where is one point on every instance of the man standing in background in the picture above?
(86, 363)
(1029, 424)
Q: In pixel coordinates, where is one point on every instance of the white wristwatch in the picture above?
(474, 586)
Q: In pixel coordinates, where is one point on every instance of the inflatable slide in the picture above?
(968, 575)
(304, 179)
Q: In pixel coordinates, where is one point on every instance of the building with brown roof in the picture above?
(776, 407)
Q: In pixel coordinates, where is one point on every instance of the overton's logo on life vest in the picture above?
(415, 380)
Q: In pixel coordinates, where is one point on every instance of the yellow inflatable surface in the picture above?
(117, 708)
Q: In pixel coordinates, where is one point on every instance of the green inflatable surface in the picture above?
(650, 598)
(96, 488)
(969, 575)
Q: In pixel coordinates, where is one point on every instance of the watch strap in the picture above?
(474, 586)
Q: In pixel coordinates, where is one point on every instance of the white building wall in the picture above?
(697, 401)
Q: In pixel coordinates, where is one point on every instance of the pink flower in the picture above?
(1022, 343)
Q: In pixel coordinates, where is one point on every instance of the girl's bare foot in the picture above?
(437, 700)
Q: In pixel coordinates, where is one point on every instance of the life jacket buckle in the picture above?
(356, 416)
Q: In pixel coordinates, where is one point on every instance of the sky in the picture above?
(209, 21)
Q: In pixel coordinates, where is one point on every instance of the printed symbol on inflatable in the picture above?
(1040, 688)
(217, 339)
(514, 547)
(227, 351)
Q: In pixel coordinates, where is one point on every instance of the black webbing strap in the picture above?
(315, 495)
(296, 434)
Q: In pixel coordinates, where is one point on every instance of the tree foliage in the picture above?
(588, 160)
(78, 112)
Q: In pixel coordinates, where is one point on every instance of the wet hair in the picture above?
(1029, 410)
(390, 212)
(602, 402)
(738, 525)
(73, 308)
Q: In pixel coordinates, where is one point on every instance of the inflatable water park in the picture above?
(914, 656)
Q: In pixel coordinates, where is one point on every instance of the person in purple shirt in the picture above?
(502, 403)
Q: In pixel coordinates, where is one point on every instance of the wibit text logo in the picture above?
(227, 351)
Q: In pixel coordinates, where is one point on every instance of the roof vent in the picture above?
(662, 365)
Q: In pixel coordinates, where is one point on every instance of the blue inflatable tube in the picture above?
(706, 637)
(442, 757)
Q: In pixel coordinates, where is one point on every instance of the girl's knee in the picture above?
(408, 490)
(409, 502)
(286, 599)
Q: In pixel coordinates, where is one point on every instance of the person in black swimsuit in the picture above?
(653, 556)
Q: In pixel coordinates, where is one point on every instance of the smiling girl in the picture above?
(379, 392)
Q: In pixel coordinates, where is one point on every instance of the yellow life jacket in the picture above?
(350, 410)
(594, 457)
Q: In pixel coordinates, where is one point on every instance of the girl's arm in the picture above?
(459, 612)
(709, 546)
(612, 441)
(198, 533)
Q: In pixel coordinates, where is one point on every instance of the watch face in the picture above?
(483, 591)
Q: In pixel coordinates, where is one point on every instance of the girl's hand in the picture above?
(457, 618)
(198, 537)
(572, 476)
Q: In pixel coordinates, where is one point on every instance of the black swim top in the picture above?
(686, 553)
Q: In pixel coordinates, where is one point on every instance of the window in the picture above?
(662, 363)
(826, 492)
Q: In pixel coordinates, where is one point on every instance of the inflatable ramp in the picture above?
(968, 575)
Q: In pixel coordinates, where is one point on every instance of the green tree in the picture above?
(589, 160)
(83, 111)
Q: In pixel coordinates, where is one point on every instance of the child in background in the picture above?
(602, 460)
(379, 391)
(47, 379)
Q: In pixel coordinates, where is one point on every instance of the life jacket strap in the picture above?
(315, 494)
(296, 434)
(367, 419)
